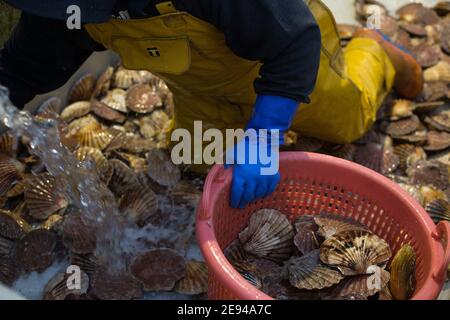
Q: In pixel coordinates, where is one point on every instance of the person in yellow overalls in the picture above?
(255, 64)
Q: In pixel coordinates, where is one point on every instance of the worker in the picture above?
(255, 64)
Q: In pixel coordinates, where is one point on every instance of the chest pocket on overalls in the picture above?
(169, 55)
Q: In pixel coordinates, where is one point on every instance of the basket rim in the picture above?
(239, 287)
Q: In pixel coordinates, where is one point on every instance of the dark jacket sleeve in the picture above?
(282, 34)
(40, 56)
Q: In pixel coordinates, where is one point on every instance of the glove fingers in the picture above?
(273, 184)
(248, 195)
(237, 190)
(261, 190)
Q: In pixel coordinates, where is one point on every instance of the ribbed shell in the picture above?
(307, 272)
(52, 105)
(57, 288)
(103, 83)
(76, 110)
(9, 227)
(440, 119)
(44, 197)
(143, 99)
(116, 99)
(139, 203)
(306, 239)
(6, 247)
(161, 169)
(429, 173)
(82, 89)
(11, 171)
(440, 72)
(401, 127)
(124, 78)
(35, 251)
(95, 155)
(332, 224)
(107, 286)
(196, 279)
(353, 252)
(409, 154)
(9, 270)
(185, 194)
(437, 141)
(234, 252)
(8, 144)
(269, 235)
(377, 157)
(403, 273)
(123, 178)
(105, 112)
(77, 236)
(99, 139)
(439, 210)
(400, 109)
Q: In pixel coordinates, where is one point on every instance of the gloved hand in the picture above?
(253, 158)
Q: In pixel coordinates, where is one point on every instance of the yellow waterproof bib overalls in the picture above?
(212, 84)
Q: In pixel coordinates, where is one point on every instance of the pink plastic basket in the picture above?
(310, 184)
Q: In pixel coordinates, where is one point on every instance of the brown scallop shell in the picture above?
(442, 8)
(108, 286)
(403, 273)
(6, 247)
(333, 224)
(414, 29)
(77, 235)
(426, 107)
(429, 173)
(186, 194)
(87, 262)
(123, 178)
(138, 145)
(306, 239)
(99, 139)
(11, 170)
(103, 83)
(143, 99)
(401, 127)
(268, 235)
(44, 197)
(35, 251)
(377, 157)
(418, 137)
(52, 223)
(8, 144)
(235, 252)
(138, 164)
(417, 13)
(76, 110)
(83, 124)
(105, 112)
(249, 272)
(353, 252)
(400, 109)
(116, 99)
(430, 193)
(307, 272)
(440, 119)
(9, 270)
(9, 227)
(158, 269)
(445, 37)
(52, 105)
(92, 154)
(124, 78)
(440, 72)
(427, 55)
(437, 141)
(139, 203)
(82, 89)
(161, 169)
(409, 154)
(57, 288)
(439, 210)
(196, 280)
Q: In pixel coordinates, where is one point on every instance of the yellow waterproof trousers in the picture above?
(210, 83)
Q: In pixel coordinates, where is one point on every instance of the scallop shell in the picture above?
(196, 279)
(409, 154)
(414, 29)
(418, 137)
(401, 127)
(143, 99)
(161, 169)
(377, 157)
(11, 170)
(434, 91)
(105, 112)
(425, 107)
(306, 239)
(93, 154)
(123, 178)
(333, 224)
(437, 141)
(82, 89)
(137, 163)
(35, 251)
(139, 203)
(77, 235)
(429, 173)
(124, 78)
(138, 145)
(400, 109)
(269, 235)
(103, 83)
(116, 99)
(108, 286)
(9, 270)
(83, 124)
(76, 110)
(308, 144)
(57, 288)
(52, 105)
(52, 223)
(354, 252)
(445, 37)
(234, 252)
(307, 272)
(439, 210)
(8, 144)
(427, 55)
(186, 194)
(158, 269)
(442, 8)
(440, 119)
(9, 227)
(43, 196)
(99, 139)
(6, 247)
(249, 272)
(403, 273)
(417, 13)
(86, 262)
(430, 193)
(440, 72)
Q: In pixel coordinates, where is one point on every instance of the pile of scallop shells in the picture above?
(117, 123)
(410, 142)
(320, 257)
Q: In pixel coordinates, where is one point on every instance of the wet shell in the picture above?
(429, 173)
(308, 144)
(6, 247)
(138, 145)
(116, 99)
(332, 224)
(409, 154)
(147, 268)
(403, 273)
(439, 210)
(52, 105)
(103, 83)
(142, 99)
(44, 196)
(269, 235)
(77, 235)
(185, 194)
(76, 110)
(401, 127)
(138, 164)
(234, 252)
(249, 272)
(416, 137)
(58, 287)
(99, 139)
(196, 279)
(107, 286)
(8, 144)
(139, 203)
(440, 119)
(83, 124)
(9, 227)
(92, 154)
(307, 272)
(9, 270)
(82, 89)
(86, 262)
(376, 157)
(11, 170)
(161, 169)
(430, 193)
(124, 78)
(354, 252)
(103, 111)
(437, 141)
(440, 72)
(35, 251)
(52, 223)
(123, 178)
(306, 239)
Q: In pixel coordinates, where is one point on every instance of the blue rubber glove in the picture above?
(253, 175)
